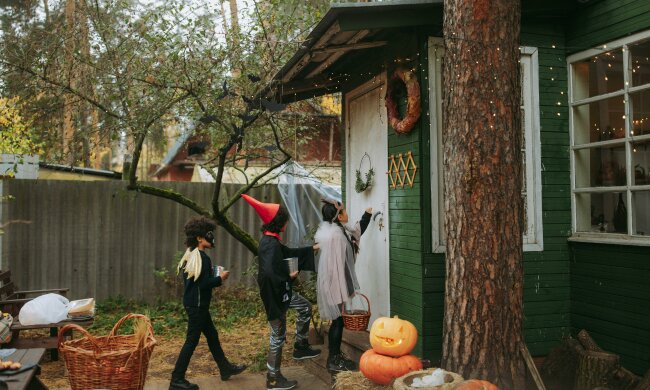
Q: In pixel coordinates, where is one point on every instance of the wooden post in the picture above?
(594, 369)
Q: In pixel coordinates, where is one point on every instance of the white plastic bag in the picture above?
(46, 309)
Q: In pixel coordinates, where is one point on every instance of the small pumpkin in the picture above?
(475, 384)
(393, 336)
(382, 369)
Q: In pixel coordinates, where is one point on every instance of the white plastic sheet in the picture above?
(45, 309)
(301, 192)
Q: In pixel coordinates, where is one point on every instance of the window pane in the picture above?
(598, 75)
(641, 213)
(601, 213)
(600, 167)
(641, 162)
(599, 121)
(640, 63)
(640, 112)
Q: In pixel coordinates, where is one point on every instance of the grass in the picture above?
(238, 315)
(168, 318)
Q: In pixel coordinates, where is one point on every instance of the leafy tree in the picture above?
(16, 134)
(143, 68)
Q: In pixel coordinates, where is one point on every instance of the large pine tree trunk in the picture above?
(482, 330)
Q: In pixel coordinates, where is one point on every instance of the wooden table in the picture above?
(51, 342)
(28, 378)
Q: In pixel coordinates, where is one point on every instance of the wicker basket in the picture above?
(107, 362)
(404, 382)
(356, 319)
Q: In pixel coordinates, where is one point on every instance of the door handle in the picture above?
(381, 219)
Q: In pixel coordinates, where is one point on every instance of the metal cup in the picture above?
(292, 263)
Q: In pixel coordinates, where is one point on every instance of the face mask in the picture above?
(209, 237)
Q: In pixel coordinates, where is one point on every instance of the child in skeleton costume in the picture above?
(275, 282)
(337, 278)
(199, 280)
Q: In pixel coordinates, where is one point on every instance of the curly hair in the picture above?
(278, 222)
(197, 227)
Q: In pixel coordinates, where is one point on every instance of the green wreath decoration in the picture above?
(360, 184)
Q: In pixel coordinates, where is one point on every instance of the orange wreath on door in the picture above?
(413, 110)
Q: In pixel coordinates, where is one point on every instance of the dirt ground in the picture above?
(246, 344)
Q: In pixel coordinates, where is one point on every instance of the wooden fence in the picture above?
(101, 240)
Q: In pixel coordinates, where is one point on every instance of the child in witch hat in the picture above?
(275, 283)
(199, 280)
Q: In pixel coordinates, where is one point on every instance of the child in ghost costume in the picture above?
(337, 277)
(275, 283)
(199, 280)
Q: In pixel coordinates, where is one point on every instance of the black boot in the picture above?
(302, 350)
(279, 382)
(232, 369)
(338, 363)
(182, 384)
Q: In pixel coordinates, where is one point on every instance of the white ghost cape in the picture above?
(191, 263)
(337, 278)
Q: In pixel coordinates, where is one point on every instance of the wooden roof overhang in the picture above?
(350, 32)
(346, 33)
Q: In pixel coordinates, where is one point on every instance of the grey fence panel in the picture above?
(101, 240)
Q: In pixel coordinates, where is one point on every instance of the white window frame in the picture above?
(533, 237)
(614, 238)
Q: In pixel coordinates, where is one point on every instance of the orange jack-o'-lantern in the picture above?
(383, 369)
(392, 336)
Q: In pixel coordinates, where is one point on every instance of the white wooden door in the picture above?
(366, 132)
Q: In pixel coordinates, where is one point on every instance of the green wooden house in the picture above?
(585, 68)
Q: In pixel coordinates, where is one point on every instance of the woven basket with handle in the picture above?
(107, 362)
(356, 319)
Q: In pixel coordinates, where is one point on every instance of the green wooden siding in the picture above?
(609, 283)
(602, 21)
(546, 280)
(599, 288)
(610, 295)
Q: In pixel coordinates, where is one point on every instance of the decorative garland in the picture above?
(403, 125)
(361, 185)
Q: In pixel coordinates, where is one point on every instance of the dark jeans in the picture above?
(199, 321)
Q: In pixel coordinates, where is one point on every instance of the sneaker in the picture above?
(279, 382)
(339, 363)
(233, 369)
(304, 351)
(182, 384)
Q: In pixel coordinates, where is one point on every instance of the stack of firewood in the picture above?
(582, 365)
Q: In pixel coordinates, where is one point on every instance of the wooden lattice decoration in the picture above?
(401, 170)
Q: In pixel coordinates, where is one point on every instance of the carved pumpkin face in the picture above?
(382, 369)
(392, 336)
(475, 384)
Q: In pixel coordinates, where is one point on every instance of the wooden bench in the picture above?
(27, 379)
(12, 300)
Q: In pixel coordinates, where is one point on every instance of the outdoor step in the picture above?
(318, 366)
(353, 345)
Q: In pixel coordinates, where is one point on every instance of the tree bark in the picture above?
(595, 369)
(69, 106)
(482, 330)
(645, 382)
(560, 366)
